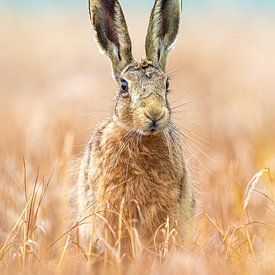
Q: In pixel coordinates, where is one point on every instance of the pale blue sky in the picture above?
(79, 3)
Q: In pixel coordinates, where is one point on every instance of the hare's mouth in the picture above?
(154, 127)
(148, 132)
(151, 129)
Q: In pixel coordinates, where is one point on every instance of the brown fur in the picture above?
(162, 30)
(133, 176)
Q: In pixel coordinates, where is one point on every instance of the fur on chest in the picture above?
(141, 172)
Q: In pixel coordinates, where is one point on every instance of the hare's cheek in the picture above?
(122, 107)
(139, 120)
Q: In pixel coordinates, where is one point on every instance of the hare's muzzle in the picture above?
(156, 119)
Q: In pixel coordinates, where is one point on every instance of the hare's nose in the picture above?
(155, 115)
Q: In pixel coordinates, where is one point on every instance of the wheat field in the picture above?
(55, 88)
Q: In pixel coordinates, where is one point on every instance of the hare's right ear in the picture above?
(163, 30)
(112, 33)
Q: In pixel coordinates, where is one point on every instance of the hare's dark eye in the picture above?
(167, 85)
(124, 86)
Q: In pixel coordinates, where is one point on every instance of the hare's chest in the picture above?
(148, 181)
(145, 171)
(148, 167)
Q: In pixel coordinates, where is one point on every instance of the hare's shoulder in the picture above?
(91, 154)
(96, 137)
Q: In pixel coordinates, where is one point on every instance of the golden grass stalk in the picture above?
(250, 243)
(65, 248)
(120, 227)
(92, 235)
(224, 237)
(252, 184)
(13, 230)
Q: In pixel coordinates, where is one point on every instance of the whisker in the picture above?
(190, 150)
(170, 66)
(196, 143)
(184, 94)
(183, 104)
(175, 71)
(202, 165)
(92, 112)
(189, 102)
(203, 141)
(105, 97)
(173, 143)
(200, 142)
(195, 122)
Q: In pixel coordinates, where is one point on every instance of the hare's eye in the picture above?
(167, 85)
(124, 86)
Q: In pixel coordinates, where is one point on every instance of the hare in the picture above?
(133, 171)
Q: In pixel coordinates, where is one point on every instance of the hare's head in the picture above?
(141, 103)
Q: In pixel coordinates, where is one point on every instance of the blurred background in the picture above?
(55, 87)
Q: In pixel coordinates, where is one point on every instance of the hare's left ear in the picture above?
(163, 30)
(111, 32)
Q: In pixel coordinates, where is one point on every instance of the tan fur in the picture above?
(118, 47)
(132, 176)
(162, 30)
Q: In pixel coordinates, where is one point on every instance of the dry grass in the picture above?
(55, 88)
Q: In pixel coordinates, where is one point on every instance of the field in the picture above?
(55, 88)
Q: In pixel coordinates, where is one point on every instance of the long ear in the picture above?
(111, 32)
(163, 30)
